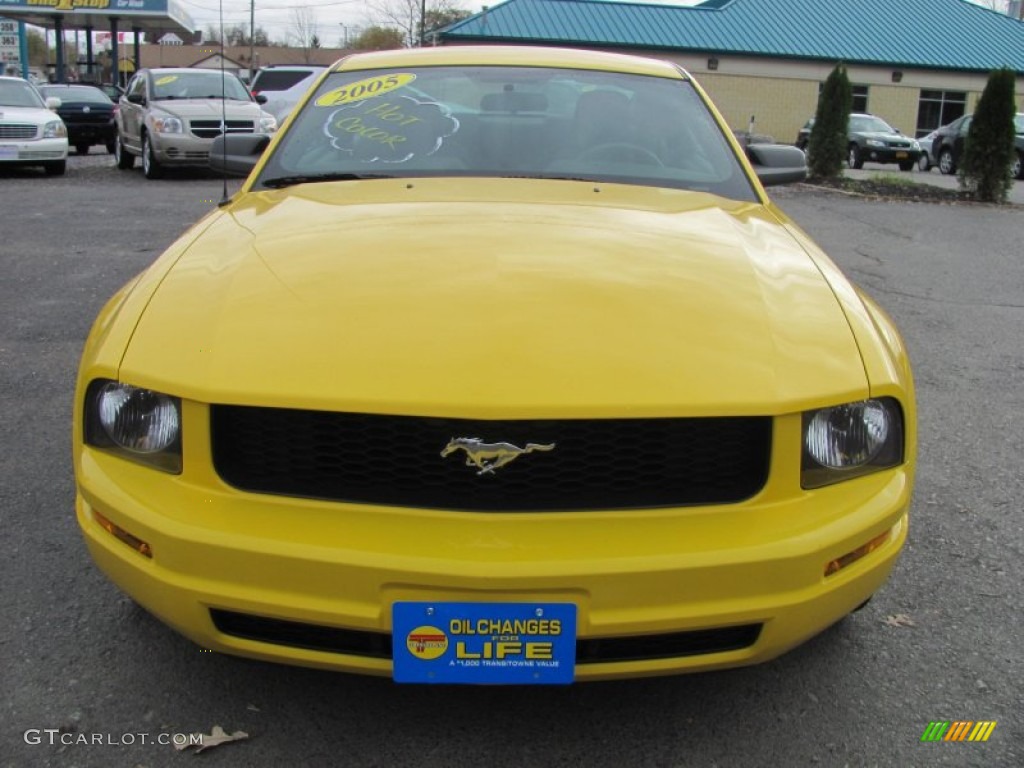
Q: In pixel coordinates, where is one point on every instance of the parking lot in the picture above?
(942, 641)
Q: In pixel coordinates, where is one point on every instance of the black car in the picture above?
(948, 145)
(87, 112)
(871, 139)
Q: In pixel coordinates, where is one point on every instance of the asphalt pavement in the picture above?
(88, 680)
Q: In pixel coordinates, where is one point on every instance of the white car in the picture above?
(30, 132)
(283, 86)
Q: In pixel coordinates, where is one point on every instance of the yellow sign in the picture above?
(364, 89)
(70, 5)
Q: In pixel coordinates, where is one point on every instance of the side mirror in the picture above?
(261, 99)
(52, 103)
(136, 98)
(236, 154)
(777, 163)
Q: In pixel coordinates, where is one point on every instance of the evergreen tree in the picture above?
(988, 150)
(826, 147)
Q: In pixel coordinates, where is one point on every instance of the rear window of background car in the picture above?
(270, 80)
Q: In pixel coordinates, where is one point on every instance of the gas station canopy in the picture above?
(152, 16)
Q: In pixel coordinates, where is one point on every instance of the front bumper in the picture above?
(91, 133)
(273, 562)
(890, 155)
(34, 152)
(177, 149)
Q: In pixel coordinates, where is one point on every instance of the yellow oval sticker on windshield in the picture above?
(165, 80)
(364, 89)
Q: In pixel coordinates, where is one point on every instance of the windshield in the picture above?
(18, 94)
(197, 84)
(509, 122)
(1018, 123)
(867, 124)
(73, 93)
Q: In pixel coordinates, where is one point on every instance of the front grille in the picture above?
(396, 460)
(94, 117)
(377, 645)
(17, 131)
(210, 129)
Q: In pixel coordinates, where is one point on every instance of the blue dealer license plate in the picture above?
(484, 643)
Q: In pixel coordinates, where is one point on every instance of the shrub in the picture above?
(826, 147)
(988, 150)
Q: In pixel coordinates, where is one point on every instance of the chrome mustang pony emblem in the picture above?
(488, 457)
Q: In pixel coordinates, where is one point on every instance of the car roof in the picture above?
(510, 55)
(294, 67)
(182, 70)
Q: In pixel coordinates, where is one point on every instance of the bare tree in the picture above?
(407, 16)
(304, 31)
(377, 39)
(994, 5)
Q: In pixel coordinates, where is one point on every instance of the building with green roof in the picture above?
(917, 63)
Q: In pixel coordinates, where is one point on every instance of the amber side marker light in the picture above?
(839, 563)
(121, 534)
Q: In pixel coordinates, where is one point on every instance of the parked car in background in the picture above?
(528, 387)
(948, 145)
(170, 117)
(283, 86)
(113, 92)
(926, 160)
(87, 113)
(871, 139)
(31, 133)
(803, 136)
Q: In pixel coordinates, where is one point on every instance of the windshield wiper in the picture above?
(548, 177)
(313, 178)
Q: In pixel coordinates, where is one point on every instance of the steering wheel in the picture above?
(620, 151)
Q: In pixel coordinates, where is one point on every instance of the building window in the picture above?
(939, 108)
(860, 97)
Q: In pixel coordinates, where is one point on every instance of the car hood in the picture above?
(468, 297)
(27, 114)
(208, 108)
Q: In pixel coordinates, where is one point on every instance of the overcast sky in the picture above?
(275, 16)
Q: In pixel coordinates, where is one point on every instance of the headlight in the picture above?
(136, 423)
(875, 143)
(268, 123)
(851, 440)
(168, 125)
(915, 145)
(55, 129)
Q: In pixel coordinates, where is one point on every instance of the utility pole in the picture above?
(423, 21)
(252, 39)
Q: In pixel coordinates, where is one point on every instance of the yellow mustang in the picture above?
(501, 367)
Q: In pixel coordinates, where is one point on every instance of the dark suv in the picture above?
(948, 145)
